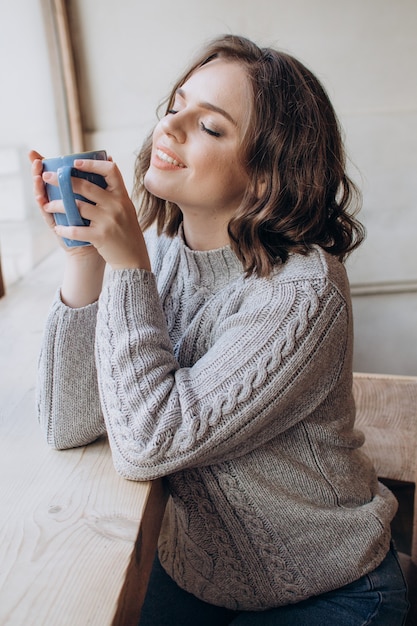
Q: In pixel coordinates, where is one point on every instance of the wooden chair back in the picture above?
(387, 414)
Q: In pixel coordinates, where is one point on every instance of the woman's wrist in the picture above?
(83, 278)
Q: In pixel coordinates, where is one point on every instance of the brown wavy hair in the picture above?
(299, 193)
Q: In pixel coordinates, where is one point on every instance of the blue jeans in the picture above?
(377, 599)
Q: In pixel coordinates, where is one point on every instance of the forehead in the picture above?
(222, 83)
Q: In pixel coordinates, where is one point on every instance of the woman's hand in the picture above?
(114, 229)
(84, 268)
(39, 190)
(48, 208)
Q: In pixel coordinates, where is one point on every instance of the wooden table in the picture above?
(76, 540)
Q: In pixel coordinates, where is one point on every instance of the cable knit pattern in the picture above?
(238, 391)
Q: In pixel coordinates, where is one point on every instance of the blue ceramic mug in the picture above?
(64, 167)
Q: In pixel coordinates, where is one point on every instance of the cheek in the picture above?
(233, 176)
(227, 169)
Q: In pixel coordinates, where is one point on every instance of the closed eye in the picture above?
(209, 131)
(204, 128)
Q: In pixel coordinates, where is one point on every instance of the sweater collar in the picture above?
(209, 268)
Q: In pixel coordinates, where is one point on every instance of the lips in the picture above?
(168, 157)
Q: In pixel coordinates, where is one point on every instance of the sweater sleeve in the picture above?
(67, 391)
(268, 363)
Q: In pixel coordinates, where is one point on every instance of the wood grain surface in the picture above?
(73, 549)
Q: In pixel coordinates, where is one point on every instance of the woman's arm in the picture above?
(268, 365)
(67, 393)
(68, 405)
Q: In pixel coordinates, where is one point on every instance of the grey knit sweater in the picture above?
(238, 391)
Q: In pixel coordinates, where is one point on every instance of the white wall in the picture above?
(27, 120)
(365, 51)
(27, 106)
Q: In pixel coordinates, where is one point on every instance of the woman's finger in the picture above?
(79, 233)
(50, 177)
(54, 206)
(39, 190)
(107, 169)
(35, 156)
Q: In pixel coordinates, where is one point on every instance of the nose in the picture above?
(173, 125)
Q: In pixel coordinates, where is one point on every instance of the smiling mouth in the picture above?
(167, 159)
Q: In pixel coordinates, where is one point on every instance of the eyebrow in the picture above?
(210, 107)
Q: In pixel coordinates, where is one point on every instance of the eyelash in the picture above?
(212, 133)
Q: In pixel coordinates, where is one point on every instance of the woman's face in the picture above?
(195, 160)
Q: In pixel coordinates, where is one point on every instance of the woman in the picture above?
(218, 352)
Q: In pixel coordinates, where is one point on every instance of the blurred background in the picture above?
(126, 56)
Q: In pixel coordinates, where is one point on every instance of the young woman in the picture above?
(218, 351)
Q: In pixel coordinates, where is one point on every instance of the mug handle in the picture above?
(71, 210)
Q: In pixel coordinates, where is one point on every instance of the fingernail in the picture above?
(78, 162)
(47, 175)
